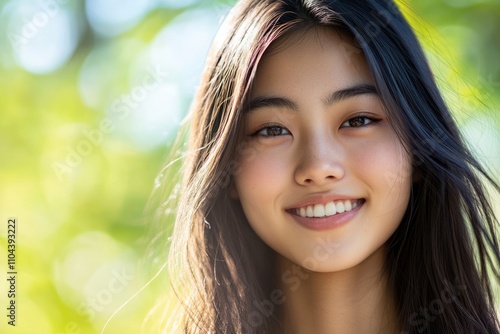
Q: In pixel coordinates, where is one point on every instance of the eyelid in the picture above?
(255, 133)
(373, 119)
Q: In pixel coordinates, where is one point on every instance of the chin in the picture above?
(341, 261)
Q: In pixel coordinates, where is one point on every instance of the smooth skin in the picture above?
(317, 131)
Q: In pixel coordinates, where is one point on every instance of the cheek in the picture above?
(387, 170)
(260, 177)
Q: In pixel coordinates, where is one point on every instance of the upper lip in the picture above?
(321, 199)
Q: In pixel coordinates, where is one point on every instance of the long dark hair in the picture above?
(443, 255)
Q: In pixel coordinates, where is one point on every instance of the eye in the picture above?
(271, 131)
(358, 121)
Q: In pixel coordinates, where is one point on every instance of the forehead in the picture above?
(316, 57)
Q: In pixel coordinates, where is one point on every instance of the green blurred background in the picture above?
(91, 96)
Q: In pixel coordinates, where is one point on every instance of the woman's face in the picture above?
(322, 179)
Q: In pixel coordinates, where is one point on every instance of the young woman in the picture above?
(326, 186)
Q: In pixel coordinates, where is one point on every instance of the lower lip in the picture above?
(327, 223)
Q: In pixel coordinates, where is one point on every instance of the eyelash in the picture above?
(370, 119)
(365, 118)
(267, 127)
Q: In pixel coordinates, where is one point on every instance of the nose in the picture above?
(320, 162)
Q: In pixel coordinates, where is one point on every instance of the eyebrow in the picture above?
(346, 93)
(337, 96)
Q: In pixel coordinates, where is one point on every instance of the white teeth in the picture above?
(340, 207)
(319, 210)
(309, 211)
(328, 209)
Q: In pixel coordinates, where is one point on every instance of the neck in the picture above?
(356, 300)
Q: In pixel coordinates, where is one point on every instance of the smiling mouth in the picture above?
(328, 209)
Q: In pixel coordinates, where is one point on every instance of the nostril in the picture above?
(312, 180)
(314, 174)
